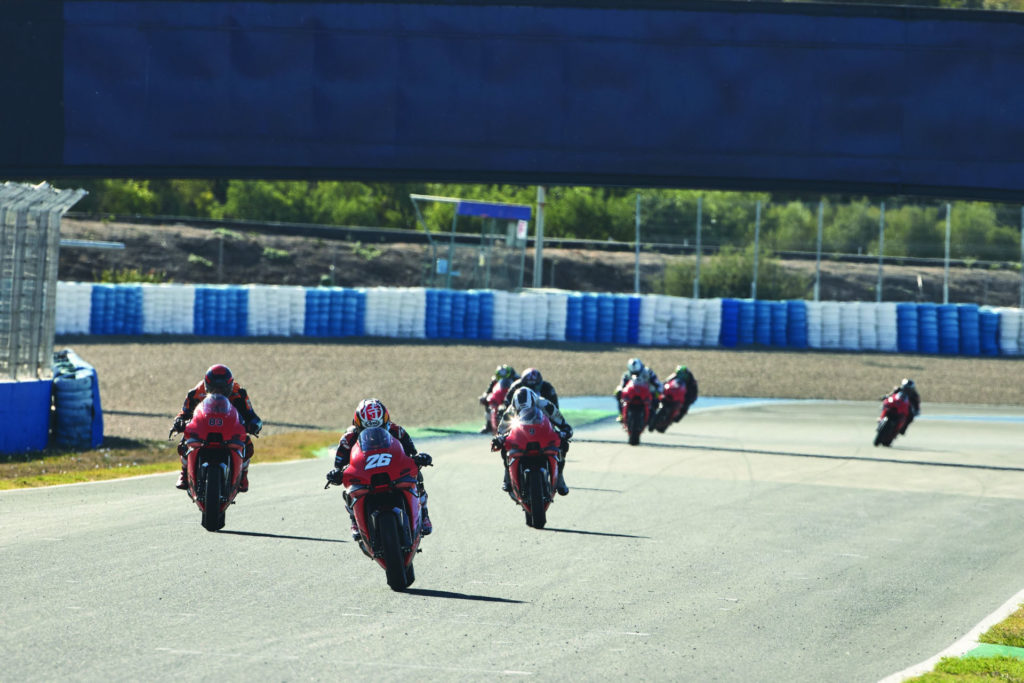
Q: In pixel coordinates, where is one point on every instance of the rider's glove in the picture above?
(497, 443)
(423, 460)
(179, 424)
(254, 426)
(334, 477)
(483, 400)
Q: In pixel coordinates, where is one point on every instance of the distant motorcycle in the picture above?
(635, 403)
(495, 399)
(531, 448)
(895, 415)
(673, 405)
(215, 448)
(381, 489)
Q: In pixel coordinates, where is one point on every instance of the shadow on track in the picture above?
(290, 538)
(427, 593)
(593, 533)
(822, 456)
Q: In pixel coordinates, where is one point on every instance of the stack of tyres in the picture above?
(78, 420)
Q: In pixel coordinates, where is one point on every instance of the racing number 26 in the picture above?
(377, 460)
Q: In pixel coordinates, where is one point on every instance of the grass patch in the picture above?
(974, 670)
(119, 457)
(1010, 631)
(272, 254)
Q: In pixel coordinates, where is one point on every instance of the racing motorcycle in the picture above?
(214, 451)
(635, 402)
(495, 399)
(895, 414)
(531, 451)
(382, 492)
(673, 405)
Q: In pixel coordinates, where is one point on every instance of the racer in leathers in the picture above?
(686, 378)
(526, 399)
(909, 389)
(218, 380)
(501, 373)
(643, 374)
(371, 413)
(532, 379)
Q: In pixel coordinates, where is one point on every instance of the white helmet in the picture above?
(635, 366)
(524, 398)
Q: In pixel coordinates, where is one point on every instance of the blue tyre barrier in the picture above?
(796, 324)
(907, 335)
(970, 329)
(988, 337)
(928, 328)
(949, 329)
(746, 322)
(729, 333)
(763, 323)
(574, 318)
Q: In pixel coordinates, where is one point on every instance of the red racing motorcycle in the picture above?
(531, 450)
(214, 450)
(673, 406)
(635, 403)
(494, 401)
(894, 417)
(381, 489)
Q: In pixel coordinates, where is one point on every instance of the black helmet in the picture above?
(907, 384)
(532, 378)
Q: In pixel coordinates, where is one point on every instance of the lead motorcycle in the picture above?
(635, 405)
(673, 405)
(895, 414)
(531, 452)
(214, 451)
(382, 492)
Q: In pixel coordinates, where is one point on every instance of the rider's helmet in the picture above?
(504, 372)
(218, 380)
(634, 366)
(680, 369)
(532, 378)
(371, 413)
(907, 384)
(524, 399)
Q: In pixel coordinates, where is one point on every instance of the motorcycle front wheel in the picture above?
(537, 516)
(391, 549)
(213, 516)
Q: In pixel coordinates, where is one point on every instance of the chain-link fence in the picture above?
(740, 246)
(29, 245)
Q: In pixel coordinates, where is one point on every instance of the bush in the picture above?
(123, 275)
(729, 273)
(272, 254)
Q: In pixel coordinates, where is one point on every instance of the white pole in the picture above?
(945, 277)
(757, 239)
(636, 266)
(538, 259)
(881, 250)
(696, 274)
(817, 265)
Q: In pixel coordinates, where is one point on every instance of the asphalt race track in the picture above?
(766, 542)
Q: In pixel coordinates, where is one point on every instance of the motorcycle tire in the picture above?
(391, 550)
(885, 432)
(213, 516)
(537, 516)
(634, 424)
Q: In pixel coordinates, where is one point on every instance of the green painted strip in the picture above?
(573, 417)
(991, 650)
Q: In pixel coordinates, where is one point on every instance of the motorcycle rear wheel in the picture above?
(885, 432)
(213, 516)
(391, 549)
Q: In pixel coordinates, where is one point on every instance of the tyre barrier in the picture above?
(77, 412)
(578, 317)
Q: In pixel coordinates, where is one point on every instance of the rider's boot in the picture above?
(561, 486)
(506, 485)
(183, 476)
(426, 526)
(243, 486)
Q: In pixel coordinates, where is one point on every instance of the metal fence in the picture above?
(29, 246)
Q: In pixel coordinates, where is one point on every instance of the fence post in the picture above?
(817, 263)
(757, 240)
(881, 249)
(696, 274)
(945, 276)
(636, 266)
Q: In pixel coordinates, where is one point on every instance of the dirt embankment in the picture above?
(184, 254)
